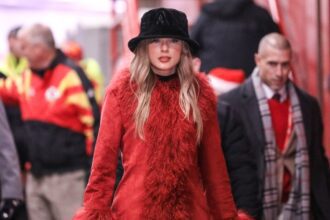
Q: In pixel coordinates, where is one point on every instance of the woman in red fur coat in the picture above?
(161, 117)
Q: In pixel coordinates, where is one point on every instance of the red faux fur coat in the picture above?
(166, 176)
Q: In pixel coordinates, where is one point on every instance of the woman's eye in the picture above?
(173, 40)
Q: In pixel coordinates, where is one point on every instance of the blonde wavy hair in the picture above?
(143, 77)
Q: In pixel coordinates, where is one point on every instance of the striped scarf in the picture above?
(298, 204)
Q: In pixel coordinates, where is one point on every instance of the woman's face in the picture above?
(164, 55)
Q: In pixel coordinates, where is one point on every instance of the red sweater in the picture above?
(280, 114)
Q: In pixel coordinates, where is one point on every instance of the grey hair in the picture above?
(38, 33)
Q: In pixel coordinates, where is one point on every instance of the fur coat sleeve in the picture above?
(212, 162)
(99, 191)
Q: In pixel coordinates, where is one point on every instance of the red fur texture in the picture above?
(171, 156)
(91, 214)
(167, 175)
(244, 216)
(173, 149)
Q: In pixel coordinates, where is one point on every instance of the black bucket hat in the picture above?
(163, 22)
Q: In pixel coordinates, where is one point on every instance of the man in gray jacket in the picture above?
(10, 180)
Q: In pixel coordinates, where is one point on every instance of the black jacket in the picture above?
(244, 101)
(229, 32)
(240, 164)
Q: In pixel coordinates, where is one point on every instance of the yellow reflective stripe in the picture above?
(13, 82)
(70, 80)
(12, 67)
(9, 83)
(89, 134)
(79, 99)
(95, 75)
(87, 119)
(27, 82)
(19, 84)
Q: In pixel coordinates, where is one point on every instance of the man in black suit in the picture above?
(284, 127)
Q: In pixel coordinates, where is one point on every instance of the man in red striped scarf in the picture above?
(284, 126)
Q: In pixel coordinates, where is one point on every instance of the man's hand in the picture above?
(8, 208)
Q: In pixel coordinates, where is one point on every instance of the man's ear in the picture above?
(256, 58)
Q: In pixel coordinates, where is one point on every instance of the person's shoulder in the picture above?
(233, 93)
(303, 92)
(304, 96)
(202, 79)
(223, 107)
(64, 65)
(238, 95)
(91, 64)
(204, 85)
(258, 9)
(90, 61)
(206, 95)
(120, 82)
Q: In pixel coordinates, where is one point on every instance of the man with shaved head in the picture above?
(284, 127)
(58, 116)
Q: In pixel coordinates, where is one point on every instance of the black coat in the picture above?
(240, 164)
(244, 101)
(229, 32)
